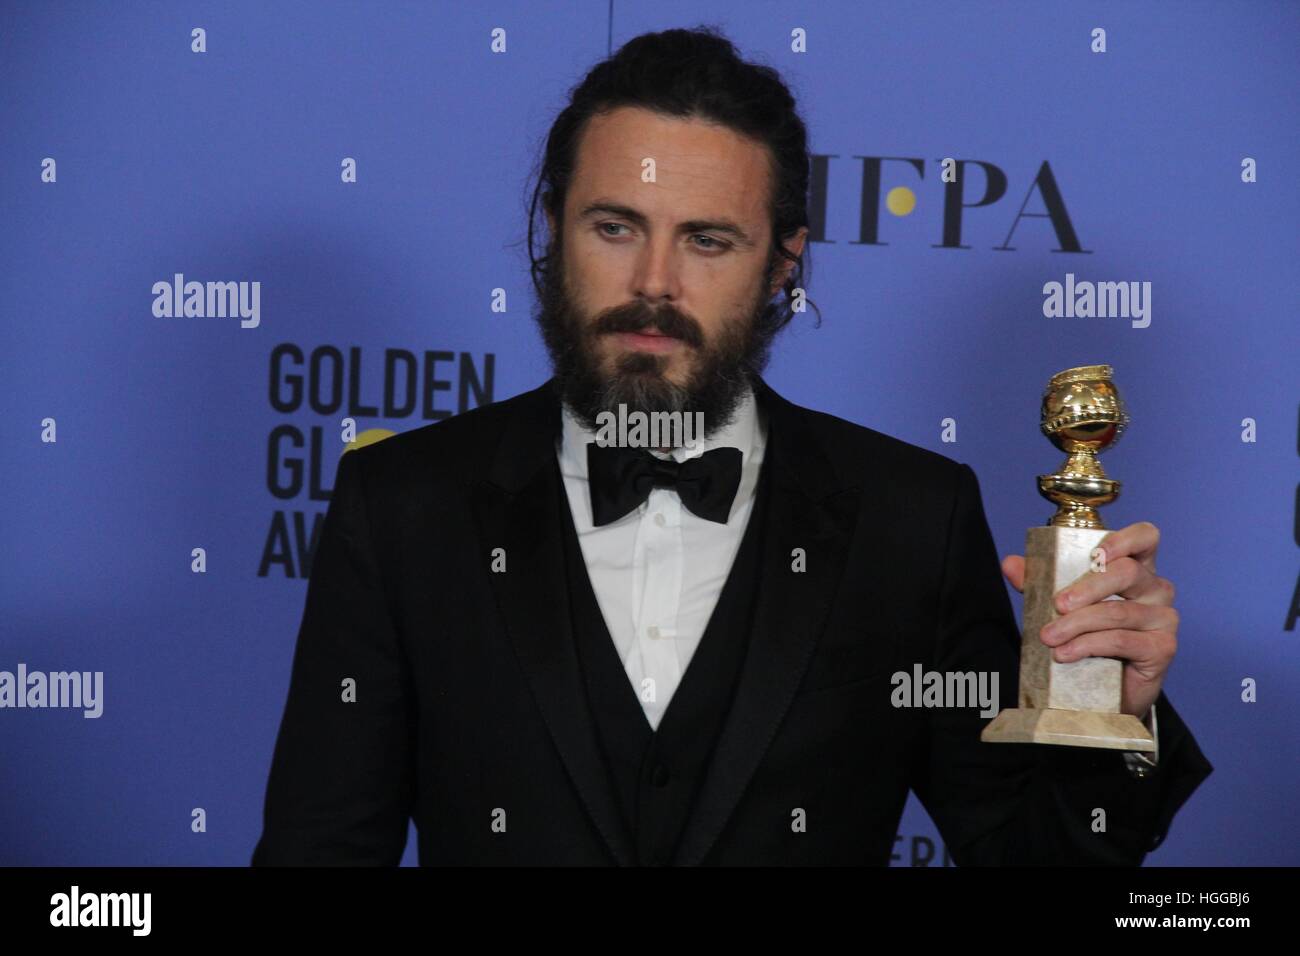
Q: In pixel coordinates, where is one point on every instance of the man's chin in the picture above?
(645, 376)
(645, 371)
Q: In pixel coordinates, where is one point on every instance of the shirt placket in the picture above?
(659, 538)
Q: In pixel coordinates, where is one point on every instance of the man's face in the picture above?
(656, 285)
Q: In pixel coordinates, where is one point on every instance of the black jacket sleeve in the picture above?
(342, 779)
(1000, 803)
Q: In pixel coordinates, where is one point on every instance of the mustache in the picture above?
(635, 318)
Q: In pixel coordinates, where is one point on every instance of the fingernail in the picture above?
(1064, 600)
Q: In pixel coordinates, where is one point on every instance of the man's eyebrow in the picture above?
(610, 208)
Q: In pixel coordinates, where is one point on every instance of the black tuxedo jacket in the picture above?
(469, 714)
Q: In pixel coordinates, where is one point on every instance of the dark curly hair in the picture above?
(691, 73)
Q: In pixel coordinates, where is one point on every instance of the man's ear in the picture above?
(785, 266)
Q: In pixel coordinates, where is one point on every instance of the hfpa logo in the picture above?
(959, 185)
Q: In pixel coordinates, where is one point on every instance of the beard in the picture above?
(720, 371)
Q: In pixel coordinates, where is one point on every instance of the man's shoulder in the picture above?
(453, 450)
(862, 454)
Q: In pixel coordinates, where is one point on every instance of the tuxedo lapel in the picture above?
(516, 508)
(809, 508)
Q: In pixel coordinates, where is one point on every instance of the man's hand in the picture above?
(1140, 630)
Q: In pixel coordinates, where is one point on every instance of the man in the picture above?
(550, 651)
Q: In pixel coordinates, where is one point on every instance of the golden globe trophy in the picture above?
(1075, 703)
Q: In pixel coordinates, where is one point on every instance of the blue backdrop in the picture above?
(127, 156)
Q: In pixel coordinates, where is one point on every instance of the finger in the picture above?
(1123, 578)
(1150, 651)
(1139, 541)
(1109, 615)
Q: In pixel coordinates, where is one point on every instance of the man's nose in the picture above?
(657, 281)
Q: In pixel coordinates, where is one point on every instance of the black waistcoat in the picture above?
(657, 774)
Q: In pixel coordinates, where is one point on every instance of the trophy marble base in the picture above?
(1074, 728)
(1076, 703)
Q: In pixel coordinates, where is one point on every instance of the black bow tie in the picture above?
(621, 478)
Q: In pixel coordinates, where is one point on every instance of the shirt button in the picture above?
(659, 518)
(652, 630)
(661, 776)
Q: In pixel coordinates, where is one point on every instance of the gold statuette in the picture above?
(1075, 703)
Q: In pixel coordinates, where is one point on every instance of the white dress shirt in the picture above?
(657, 572)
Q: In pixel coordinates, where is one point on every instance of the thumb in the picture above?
(1013, 566)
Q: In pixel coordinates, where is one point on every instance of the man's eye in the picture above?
(616, 225)
(716, 243)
